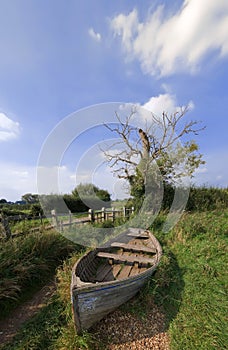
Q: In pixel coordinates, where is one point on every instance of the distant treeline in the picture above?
(82, 198)
(54, 201)
(200, 199)
(74, 204)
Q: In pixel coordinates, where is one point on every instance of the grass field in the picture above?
(196, 299)
(190, 286)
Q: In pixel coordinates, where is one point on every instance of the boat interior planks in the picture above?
(104, 272)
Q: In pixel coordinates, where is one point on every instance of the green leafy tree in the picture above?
(3, 201)
(103, 195)
(36, 209)
(92, 196)
(90, 190)
(75, 204)
(85, 190)
(30, 198)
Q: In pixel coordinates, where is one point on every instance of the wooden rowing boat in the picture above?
(107, 277)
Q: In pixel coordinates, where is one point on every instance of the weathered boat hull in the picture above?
(92, 301)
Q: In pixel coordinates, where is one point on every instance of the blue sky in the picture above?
(59, 57)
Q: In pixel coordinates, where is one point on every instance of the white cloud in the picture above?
(166, 103)
(126, 26)
(16, 180)
(94, 35)
(162, 103)
(165, 45)
(9, 129)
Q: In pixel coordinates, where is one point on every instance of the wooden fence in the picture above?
(6, 222)
(109, 214)
(93, 216)
(60, 221)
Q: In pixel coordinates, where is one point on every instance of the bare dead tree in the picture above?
(159, 142)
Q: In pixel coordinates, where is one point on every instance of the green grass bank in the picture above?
(190, 286)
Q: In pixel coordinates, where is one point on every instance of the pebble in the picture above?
(124, 330)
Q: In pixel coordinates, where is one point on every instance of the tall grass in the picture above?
(53, 328)
(25, 225)
(27, 262)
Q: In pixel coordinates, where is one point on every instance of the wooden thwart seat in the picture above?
(134, 247)
(123, 258)
(138, 235)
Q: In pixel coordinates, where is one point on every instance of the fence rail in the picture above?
(60, 221)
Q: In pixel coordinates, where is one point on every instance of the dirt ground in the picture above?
(10, 325)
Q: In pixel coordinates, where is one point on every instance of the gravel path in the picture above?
(121, 330)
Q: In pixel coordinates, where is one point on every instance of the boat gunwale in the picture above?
(77, 285)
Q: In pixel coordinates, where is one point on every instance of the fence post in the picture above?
(103, 218)
(41, 218)
(91, 215)
(113, 214)
(61, 225)
(5, 225)
(124, 212)
(54, 218)
(70, 218)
